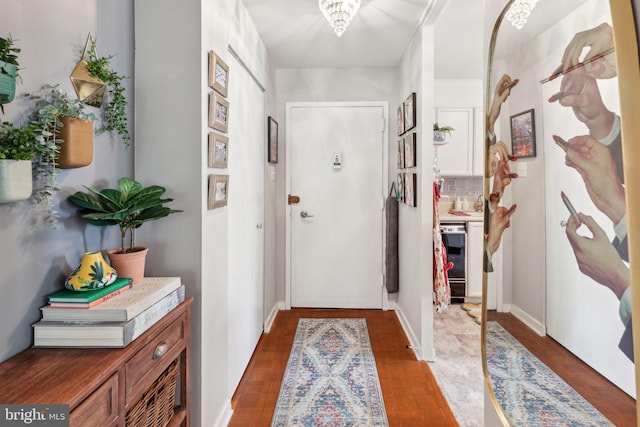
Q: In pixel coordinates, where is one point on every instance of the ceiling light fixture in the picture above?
(519, 12)
(339, 13)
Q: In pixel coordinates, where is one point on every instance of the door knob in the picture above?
(304, 214)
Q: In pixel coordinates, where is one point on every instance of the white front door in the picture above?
(246, 215)
(336, 155)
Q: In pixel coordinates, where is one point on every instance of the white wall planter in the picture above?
(15, 180)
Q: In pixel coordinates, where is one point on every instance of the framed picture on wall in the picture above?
(409, 107)
(401, 153)
(218, 74)
(273, 140)
(218, 112)
(523, 134)
(218, 150)
(400, 187)
(410, 150)
(410, 189)
(218, 191)
(400, 121)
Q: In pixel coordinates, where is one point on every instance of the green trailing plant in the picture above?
(115, 113)
(128, 206)
(446, 129)
(51, 104)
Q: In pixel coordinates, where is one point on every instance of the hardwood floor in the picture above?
(612, 402)
(411, 394)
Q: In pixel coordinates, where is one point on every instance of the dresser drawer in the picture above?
(152, 359)
(100, 408)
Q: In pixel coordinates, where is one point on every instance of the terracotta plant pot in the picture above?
(129, 264)
(77, 149)
(7, 82)
(16, 182)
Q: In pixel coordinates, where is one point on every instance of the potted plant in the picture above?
(65, 120)
(115, 113)
(440, 132)
(16, 151)
(129, 206)
(8, 70)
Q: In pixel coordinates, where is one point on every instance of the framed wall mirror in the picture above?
(562, 226)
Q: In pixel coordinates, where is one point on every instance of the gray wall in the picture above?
(35, 259)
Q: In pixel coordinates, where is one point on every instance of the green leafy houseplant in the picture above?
(129, 206)
(115, 113)
(17, 143)
(446, 129)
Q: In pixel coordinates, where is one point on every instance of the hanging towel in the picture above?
(392, 276)
(441, 288)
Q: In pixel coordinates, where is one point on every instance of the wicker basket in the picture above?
(155, 407)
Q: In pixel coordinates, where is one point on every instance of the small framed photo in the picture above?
(401, 153)
(218, 150)
(409, 107)
(218, 74)
(400, 187)
(218, 112)
(218, 191)
(273, 140)
(400, 121)
(523, 134)
(410, 150)
(410, 189)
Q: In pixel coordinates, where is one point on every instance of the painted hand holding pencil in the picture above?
(501, 180)
(598, 62)
(593, 161)
(498, 222)
(497, 153)
(500, 95)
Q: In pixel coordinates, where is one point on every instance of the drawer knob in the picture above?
(160, 350)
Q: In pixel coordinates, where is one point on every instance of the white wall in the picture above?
(35, 259)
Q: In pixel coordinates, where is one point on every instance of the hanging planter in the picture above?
(89, 88)
(16, 182)
(8, 70)
(7, 82)
(76, 147)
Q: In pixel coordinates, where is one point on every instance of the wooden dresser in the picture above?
(102, 385)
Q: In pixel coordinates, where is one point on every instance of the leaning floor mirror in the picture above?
(562, 202)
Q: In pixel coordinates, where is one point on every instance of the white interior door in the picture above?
(246, 215)
(336, 230)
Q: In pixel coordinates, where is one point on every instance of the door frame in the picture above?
(384, 185)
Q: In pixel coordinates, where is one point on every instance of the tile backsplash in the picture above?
(467, 187)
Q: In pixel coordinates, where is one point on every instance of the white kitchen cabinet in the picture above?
(478, 142)
(475, 247)
(455, 158)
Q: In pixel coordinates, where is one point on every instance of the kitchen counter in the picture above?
(445, 216)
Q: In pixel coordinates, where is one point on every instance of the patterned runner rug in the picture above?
(528, 391)
(331, 377)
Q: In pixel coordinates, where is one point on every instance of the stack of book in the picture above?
(108, 317)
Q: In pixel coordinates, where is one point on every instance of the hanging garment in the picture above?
(441, 288)
(392, 275)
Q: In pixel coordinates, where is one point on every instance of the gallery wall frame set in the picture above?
(406, 187)
(407, 151)
(218, 191)
(218, 74)
(218, 150)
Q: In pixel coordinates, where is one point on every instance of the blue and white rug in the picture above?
(331, 377)
(528, 391)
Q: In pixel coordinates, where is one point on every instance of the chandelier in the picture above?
(339, 13)
(519, 12)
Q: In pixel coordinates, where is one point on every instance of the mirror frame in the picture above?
(628, 66)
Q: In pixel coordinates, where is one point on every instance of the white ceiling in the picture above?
(297, 35)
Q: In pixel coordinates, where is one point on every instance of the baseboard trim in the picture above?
(528, 320)
(272, 315)
(414, 343)
(225, 415)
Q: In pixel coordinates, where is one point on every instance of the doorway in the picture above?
(337, 166)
